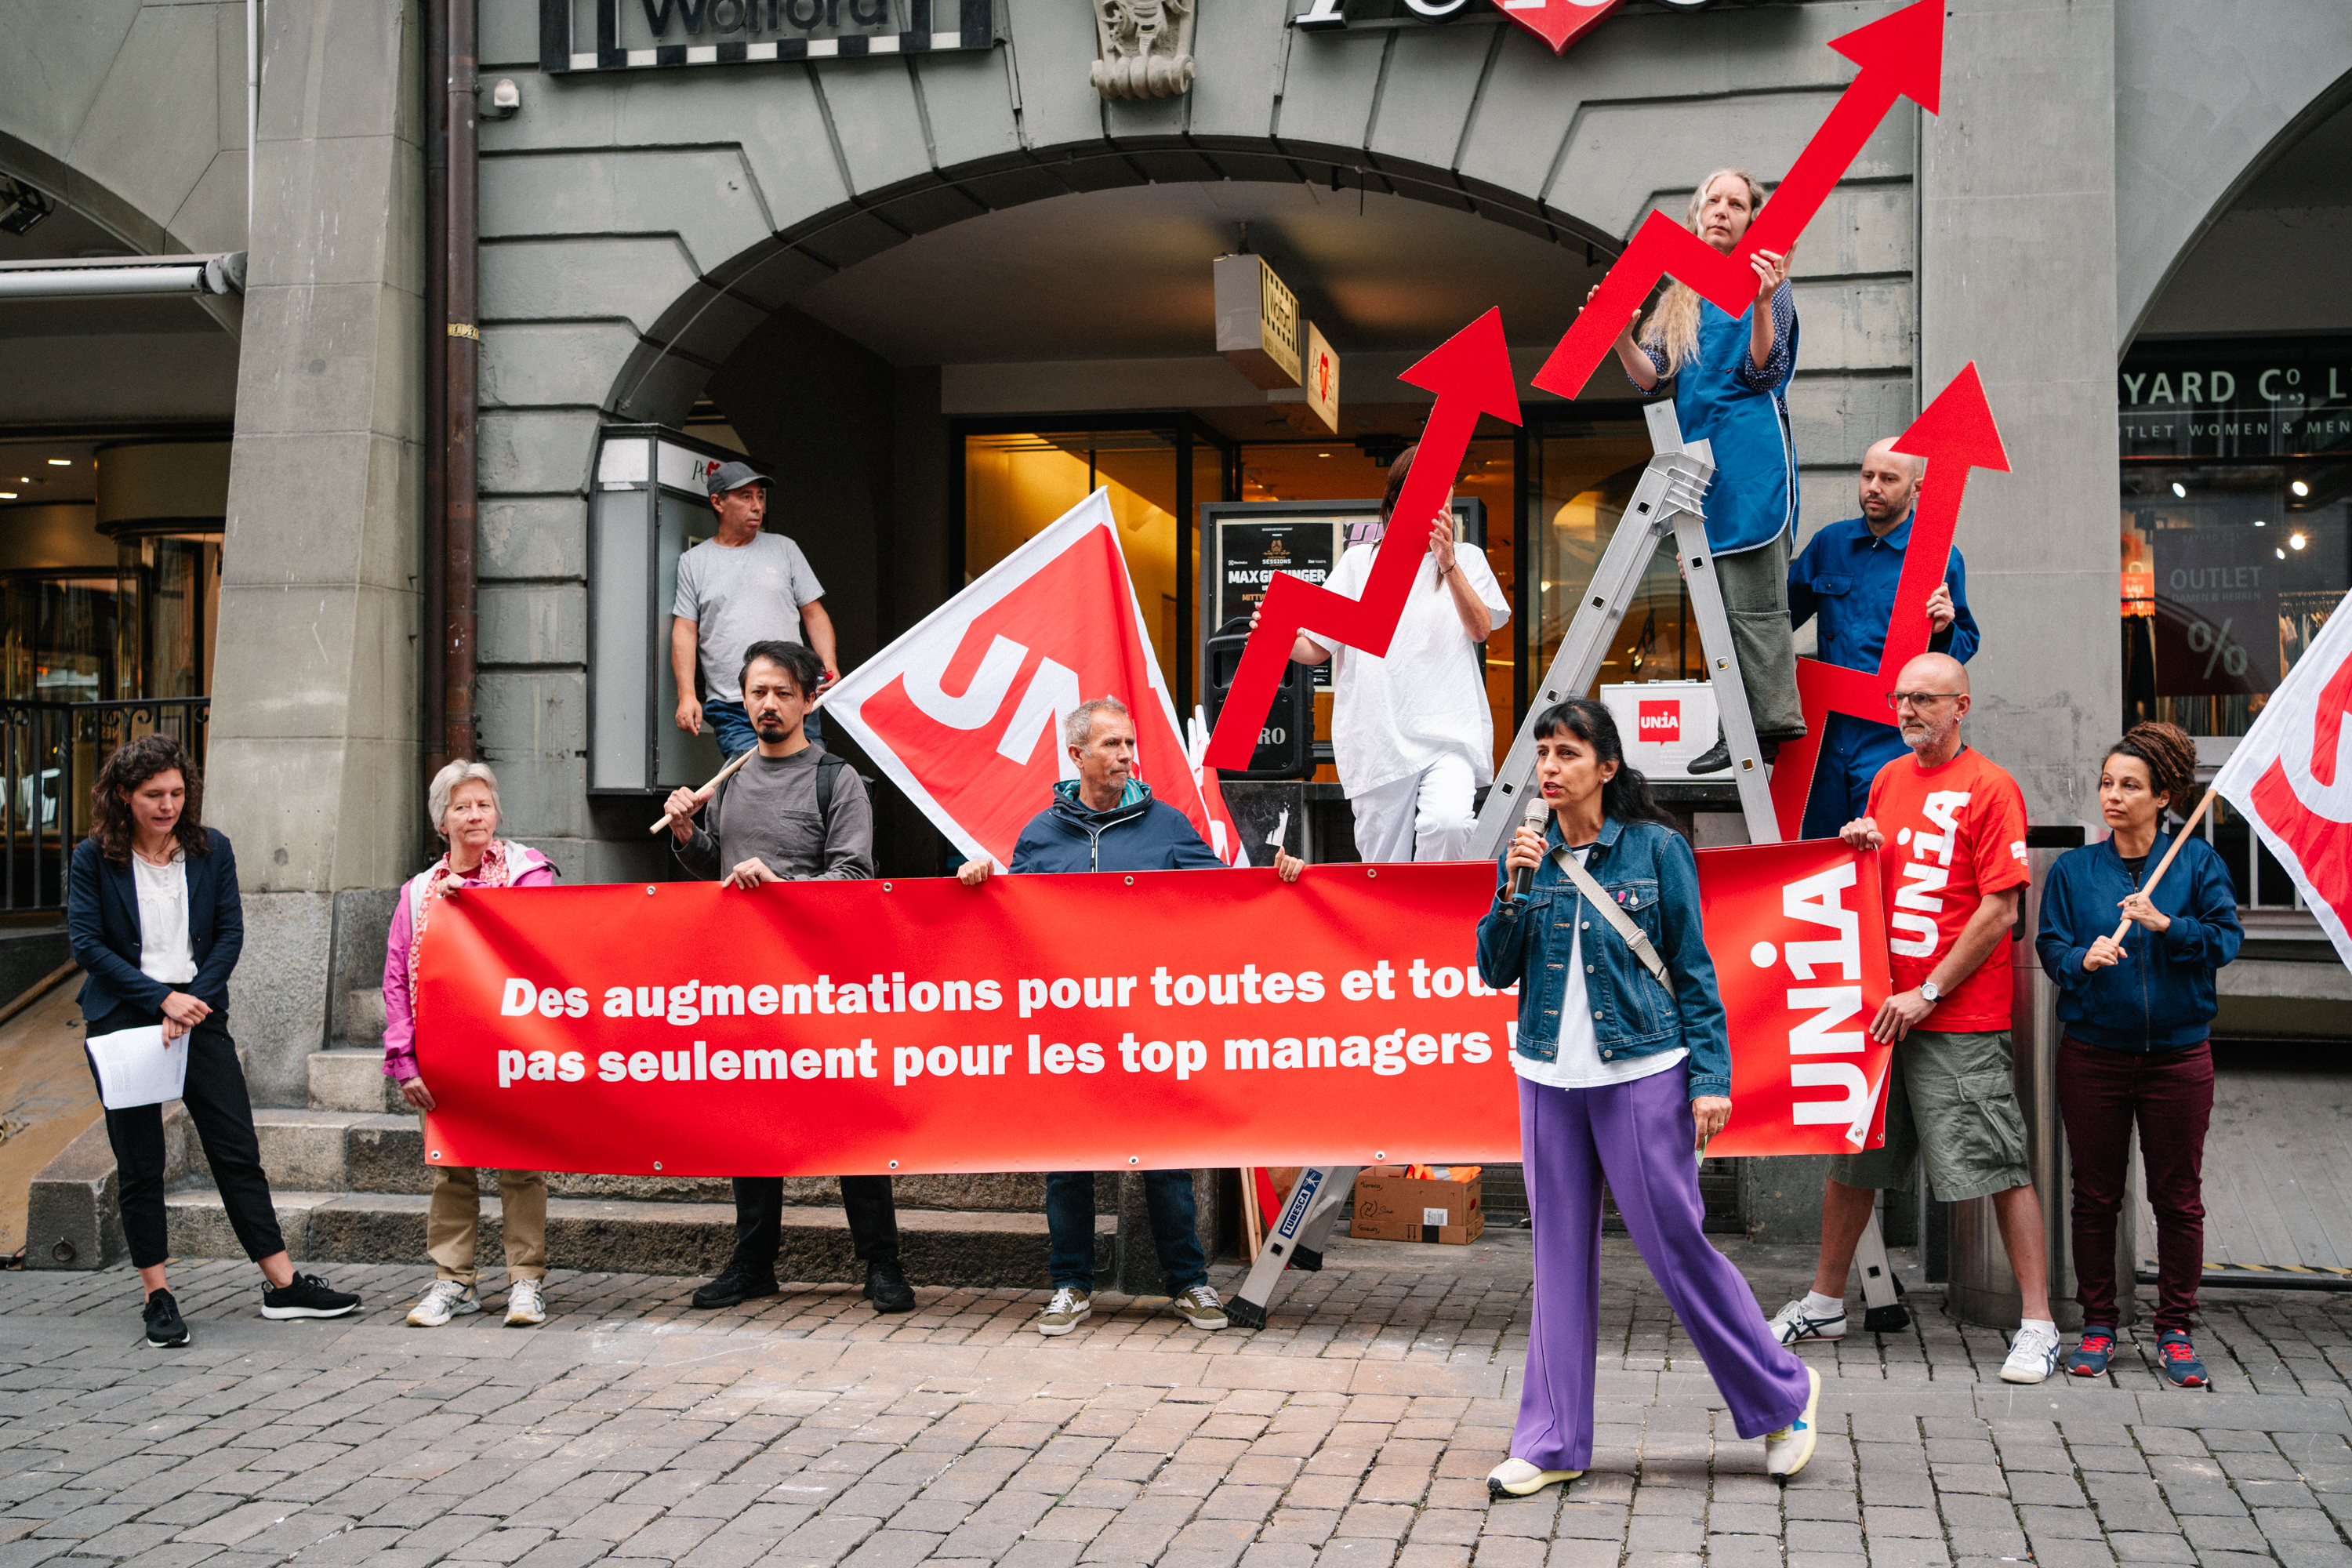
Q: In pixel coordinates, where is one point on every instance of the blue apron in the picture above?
(1754, 498)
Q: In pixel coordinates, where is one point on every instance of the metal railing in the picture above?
(50, 756)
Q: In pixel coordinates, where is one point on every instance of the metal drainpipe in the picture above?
(434, 555)
(461, 477)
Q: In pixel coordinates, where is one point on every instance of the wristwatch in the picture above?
(1929, 994)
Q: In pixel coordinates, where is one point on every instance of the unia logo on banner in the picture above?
(1660, 723)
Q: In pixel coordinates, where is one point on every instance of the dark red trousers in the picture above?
(2100, 1093)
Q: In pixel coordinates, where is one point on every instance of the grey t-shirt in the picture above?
(768, 812)
(740, 595)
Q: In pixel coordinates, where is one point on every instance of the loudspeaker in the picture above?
(1286, 746)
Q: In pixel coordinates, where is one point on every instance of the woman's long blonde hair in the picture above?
(1673, 326)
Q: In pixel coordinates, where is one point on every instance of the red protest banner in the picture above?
(1799, 942)
(1163, 1019)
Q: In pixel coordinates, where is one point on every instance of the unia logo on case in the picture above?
(1659, 722)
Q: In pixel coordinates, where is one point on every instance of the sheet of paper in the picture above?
(135, 1067)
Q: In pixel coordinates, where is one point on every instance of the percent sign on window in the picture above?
(2217, 646)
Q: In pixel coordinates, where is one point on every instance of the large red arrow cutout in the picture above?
(1955, 435)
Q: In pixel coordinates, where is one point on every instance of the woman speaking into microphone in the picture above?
(1624, 1074)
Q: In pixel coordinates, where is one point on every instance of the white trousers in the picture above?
(1426, 815)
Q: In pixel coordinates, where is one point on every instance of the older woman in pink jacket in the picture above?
(464, 805)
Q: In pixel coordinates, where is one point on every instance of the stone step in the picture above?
(352, 1079)
(980, 1250)
(364, 1018)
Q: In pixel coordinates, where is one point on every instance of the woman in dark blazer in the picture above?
(152, 912)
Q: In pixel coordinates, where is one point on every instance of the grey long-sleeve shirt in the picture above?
(768, 812)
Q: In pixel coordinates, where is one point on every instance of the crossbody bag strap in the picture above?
(1619, 920)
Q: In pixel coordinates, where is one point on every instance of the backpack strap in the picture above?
(828, 771)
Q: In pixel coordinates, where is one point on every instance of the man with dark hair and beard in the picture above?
(794, 813)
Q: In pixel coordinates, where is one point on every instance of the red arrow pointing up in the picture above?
(1471, 374)
(1956, 434)
(1901, 56)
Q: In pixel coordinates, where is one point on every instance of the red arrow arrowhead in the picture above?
(1905, 50)
(1471, 374)
(1957, 426)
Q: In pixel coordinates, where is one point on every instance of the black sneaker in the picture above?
(307, 1296)
(1714, 759)
(887, 1288)
(166, 1329)
(731, 1289)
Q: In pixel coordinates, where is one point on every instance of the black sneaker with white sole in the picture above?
(166, 1329)
(306, 1296)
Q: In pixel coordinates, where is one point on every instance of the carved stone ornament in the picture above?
(1146, 48)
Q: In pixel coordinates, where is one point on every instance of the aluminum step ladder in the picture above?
(1667, 503)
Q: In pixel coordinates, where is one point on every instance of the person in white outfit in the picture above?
(1410, 730)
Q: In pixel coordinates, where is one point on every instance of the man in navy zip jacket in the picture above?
(1105, 820)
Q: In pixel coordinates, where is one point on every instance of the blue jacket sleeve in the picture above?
(1705, 1032)
(2061, 941)
(2211, 936)
(1502, 937)
(1190, 851)
(1959, 639)
(211, 984)
(86, 933)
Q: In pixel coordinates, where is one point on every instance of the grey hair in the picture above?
(445, 785)
(1080, 727)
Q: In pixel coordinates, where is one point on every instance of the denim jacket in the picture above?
(1650, 871)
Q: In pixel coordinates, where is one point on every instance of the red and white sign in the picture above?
(1799, 942)
(965, 711)
(1557, 23)
(1660, 723)
(2292, 775)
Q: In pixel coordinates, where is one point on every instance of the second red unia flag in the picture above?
(965, 711)
(2292, 776)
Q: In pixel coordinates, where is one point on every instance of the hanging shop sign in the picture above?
(2267, 398)
(1322, 380)
(631, 34)
(1259, 330)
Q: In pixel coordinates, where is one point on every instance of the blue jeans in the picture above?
(732, 724)
(1167, 1197)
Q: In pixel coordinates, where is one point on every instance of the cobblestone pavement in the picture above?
(1353, 1433)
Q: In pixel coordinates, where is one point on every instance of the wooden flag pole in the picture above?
(2164, 865)
(706, 792)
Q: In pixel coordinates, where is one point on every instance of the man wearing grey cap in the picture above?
(737, 587)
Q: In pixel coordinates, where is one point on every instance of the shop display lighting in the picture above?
(2180, 490)
(63, 463)
(2294, 542)
(2300, 488)
(2259, 523)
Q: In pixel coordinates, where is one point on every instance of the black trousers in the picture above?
(760, 1222)
(217, 1103)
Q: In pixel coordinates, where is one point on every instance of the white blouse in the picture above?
(164, 951)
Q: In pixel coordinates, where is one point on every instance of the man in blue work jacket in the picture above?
(1846, 574)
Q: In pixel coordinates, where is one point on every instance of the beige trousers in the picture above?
(454, 1216)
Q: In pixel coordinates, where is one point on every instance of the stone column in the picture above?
(2017, 271)
(314, 744)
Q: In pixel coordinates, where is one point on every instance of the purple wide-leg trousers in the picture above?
(1637, 1136)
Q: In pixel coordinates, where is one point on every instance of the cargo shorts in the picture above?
(1950, 1101)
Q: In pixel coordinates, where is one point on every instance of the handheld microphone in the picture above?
(1524, 878)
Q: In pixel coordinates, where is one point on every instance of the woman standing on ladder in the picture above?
(1732, 379)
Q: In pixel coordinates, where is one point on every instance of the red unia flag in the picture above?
(2292, 775)
(965, 711)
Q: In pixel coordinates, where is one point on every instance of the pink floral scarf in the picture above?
(426, 890)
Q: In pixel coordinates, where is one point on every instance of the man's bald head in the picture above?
(1931, 695)
(1890, 484)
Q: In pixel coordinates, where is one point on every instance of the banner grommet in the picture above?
(894, 1164)
(1135, 1159)
(649, 893)
(657, 1164)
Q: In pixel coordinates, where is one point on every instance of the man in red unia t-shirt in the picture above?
(1949, 829)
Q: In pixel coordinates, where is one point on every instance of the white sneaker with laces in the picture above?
(526, 1304)
(2032, 1356)
(445, 1300)
(1786, 1451)
(1066, 1310)
(1794, 1322)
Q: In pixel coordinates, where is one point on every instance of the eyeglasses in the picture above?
(1895, 700)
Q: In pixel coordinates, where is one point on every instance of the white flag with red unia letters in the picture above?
(2292, 776)
(965, 711)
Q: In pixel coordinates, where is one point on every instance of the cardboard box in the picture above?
(1391, 1207)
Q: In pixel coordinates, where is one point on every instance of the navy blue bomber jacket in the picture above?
(2161, 997)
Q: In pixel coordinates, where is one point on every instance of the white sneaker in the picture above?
(526, 1304)
(1786, 1451)
(1520, 1478)
(448, 1298)
(1066, 1310)
(2032, 1356)
(1795, 1321)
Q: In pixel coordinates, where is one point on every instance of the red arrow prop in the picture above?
(1956, 434)
(1471, 374)
(1901, 56)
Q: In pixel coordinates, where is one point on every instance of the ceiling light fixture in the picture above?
(2300, 488)
(1322, 454)
(2294, 542)
(2258, 523)
(2180, 490)
(2280, 553)
(61, 462)
(8, 495)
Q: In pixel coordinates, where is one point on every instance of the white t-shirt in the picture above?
(737, 595)
(1393, 716)
(164, 951)
(1577, 1063)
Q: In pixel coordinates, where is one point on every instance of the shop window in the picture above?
(1580, 476)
